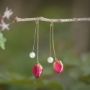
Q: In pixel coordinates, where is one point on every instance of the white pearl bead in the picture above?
(32, 55)
(50, 60)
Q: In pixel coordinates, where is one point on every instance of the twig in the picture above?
(52, 20)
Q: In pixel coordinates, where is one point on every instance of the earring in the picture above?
(57, 65)
(37, 69)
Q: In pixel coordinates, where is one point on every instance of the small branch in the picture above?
(52, 20)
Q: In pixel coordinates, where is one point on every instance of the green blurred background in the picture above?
(72, 44)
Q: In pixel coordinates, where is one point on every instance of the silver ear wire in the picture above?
(33, 54)
(36, 41)
(50, 58)
(37, 34)
(53, 43)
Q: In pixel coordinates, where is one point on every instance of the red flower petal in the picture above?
(37, 70)
(58, 66)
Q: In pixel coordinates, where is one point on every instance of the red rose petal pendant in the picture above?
(37, 70)
(58, 66)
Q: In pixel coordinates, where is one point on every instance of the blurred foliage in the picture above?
(74, 77)
(16, 66)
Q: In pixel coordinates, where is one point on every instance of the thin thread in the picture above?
(34, 38)
(50, 40)
(37, 25)
(53, 46)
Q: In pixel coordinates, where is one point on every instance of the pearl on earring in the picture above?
(50, 60)
(32, 54)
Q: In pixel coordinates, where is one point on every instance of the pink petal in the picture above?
(58, 66)
(37, 70)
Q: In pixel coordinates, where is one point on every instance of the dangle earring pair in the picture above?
(37, 70)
